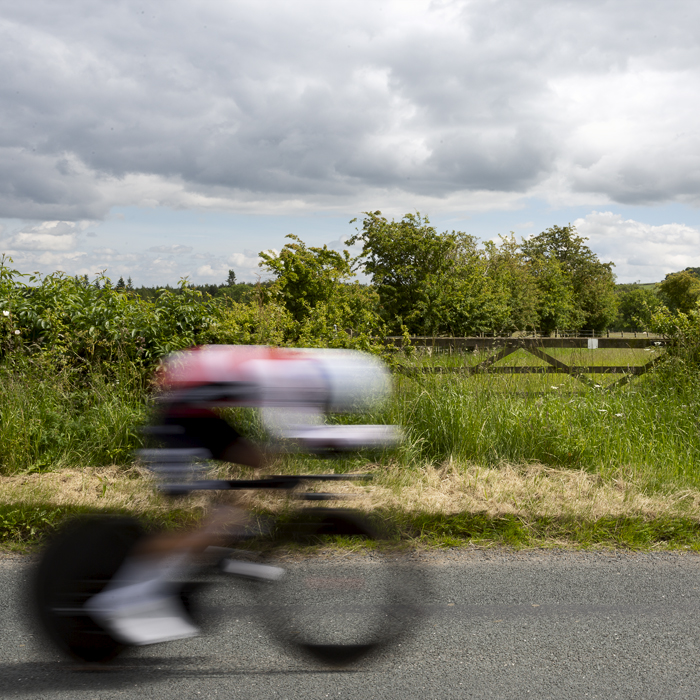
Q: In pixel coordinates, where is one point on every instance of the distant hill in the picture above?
(630, 285)
(651, 285)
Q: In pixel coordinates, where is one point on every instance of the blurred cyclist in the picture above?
(294, 389)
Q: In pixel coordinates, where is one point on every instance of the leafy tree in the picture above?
(593, 282)
(305, 276)
(120, 284)
(429, 283)
(680, 291)
(636, 307)
(403, 259)
(231, 279)
(462, 301)
(513, 276)
(556, 307)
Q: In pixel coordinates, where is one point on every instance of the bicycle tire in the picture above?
(340, 610)
(76, 565)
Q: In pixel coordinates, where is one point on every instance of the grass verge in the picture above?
(483, 529)
(456, 505)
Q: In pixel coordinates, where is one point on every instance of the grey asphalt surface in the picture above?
(499, 625)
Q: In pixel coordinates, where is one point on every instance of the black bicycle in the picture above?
(337, 612)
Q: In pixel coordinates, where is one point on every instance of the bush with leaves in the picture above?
(305, 277)
(636, 307)
(348, 320)
(75, 321)
(683, 330)
(324, 307)
(257, 322)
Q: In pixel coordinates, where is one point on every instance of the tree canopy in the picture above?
(680, 291)
(592, 283)
(443, 283)
(306, 276)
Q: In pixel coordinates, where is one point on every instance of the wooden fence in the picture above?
(500, 348)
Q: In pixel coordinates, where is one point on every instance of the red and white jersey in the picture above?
(294, 388)
(338, 380)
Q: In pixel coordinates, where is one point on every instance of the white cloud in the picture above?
(60, 261)
(174, 249)
(216, 269)
(210, 272)
(319, 105)
(45, 236)
(41, 241)
(641, 251)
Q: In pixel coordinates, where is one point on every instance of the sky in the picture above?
(179, 139)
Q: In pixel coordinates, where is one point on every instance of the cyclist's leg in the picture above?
(141, 604)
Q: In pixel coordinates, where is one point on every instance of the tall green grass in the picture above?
(648, 430)
(52, 415)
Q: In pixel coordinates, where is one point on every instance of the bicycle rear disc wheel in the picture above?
(341, 608)
(76, 565)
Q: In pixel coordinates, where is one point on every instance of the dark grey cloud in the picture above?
(45, 186)
(189, 104)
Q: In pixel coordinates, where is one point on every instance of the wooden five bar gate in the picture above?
(500, 348)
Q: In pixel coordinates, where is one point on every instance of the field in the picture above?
(539, 459)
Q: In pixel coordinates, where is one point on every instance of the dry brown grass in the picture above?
(118, 489)
(522, 490)
(104, 487)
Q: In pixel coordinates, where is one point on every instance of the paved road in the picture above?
(532, 625)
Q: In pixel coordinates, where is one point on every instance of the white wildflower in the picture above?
(619, 415)
(554, 387)
(5, 313)
(603, 410)
(16, 332)
(597, 386)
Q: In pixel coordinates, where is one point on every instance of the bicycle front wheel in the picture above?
(337, 608)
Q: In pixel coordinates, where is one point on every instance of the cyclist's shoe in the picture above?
(149, 620)
(141, 605)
